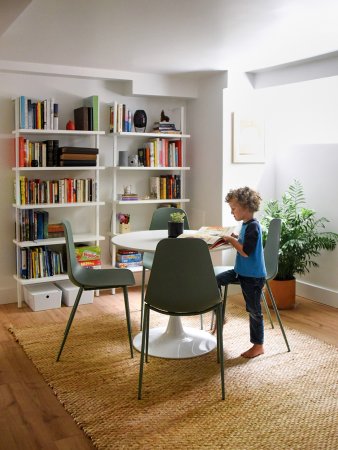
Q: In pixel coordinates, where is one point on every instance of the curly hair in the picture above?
(246, 197)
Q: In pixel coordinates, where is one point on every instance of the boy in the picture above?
(249, 268)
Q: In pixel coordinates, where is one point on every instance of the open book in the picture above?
(213, 236)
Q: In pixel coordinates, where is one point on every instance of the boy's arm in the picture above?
(237, 245)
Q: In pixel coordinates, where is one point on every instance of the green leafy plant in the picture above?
(302, 237)
(177, 217)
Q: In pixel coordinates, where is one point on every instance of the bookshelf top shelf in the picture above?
(64, 132)
(153, 135)
(64, 168)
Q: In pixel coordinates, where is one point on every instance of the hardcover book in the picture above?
(214, 236)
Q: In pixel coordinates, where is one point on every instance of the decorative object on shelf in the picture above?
(127, 189)
(164, 118)
(70, 125)
(133, 160)
(176, 224)
(300, 241)
(124, 222)
(123, 159)
(140, 121)
(247, 139)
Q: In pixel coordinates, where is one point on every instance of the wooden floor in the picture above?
(31, 417)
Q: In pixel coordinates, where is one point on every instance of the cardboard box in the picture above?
(69, 293)
(42, 296)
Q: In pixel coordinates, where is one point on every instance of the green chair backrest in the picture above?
(73, 267)
(161, 216)
(182, 278)
(271, 248)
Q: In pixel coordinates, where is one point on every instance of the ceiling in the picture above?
(162, 36)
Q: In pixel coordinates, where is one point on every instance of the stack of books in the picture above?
(165, 127)
(128, 197)
(77, 156)
(55, 230)
(129, 259)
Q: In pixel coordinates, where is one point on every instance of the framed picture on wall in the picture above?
(248, 144)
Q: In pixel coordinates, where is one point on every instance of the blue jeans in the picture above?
(252, 292)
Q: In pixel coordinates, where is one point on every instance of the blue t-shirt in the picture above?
(251, 237)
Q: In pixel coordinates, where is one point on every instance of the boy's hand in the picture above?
(234, 235)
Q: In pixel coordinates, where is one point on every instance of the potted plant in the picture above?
(176, 224)
(302, 238)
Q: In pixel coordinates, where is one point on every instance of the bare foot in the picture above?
(254, 351)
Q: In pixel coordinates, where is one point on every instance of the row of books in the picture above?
(128, 259)
(120, 118)
(165, 187)
(67, 190)
(49, 154)
(161, 153)
(34, 224)
(37, 114)
(38, 262)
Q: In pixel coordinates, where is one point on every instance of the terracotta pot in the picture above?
(284, 293)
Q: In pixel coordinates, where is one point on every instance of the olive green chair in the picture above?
(159, 221)
(90, 279)
(271, 254)
(182, 283)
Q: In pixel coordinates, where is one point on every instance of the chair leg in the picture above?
(277, 315)
(225, 296)
(145, 327)
(70, 321)
(267, 309)
(126, 304)
(201, 321)
(147, 334)
(142, 295)
(219, 316)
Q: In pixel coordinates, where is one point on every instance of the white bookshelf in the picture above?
(76, 138)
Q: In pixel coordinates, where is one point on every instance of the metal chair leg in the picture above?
(145, 327)
(201, 321)
(267, 309)
(277, 315)
(126, 304)
(219, 314)
(70, 321)
(142, 295)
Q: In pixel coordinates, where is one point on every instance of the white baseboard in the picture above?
(317, 293)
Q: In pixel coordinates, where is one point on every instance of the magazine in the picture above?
(213, 235)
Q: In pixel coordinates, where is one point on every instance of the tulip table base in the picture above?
(176, 341)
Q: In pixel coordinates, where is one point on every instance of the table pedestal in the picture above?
(177, 342)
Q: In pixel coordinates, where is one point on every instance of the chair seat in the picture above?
(105, 278)
(148, 259)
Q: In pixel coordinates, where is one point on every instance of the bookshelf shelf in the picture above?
(50, 182)
(151, 135)
(135, 169)
(57, 205)
(56, 169)
(153, 201)
(86, 237)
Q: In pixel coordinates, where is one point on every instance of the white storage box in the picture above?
(69, 293)
(42, 296)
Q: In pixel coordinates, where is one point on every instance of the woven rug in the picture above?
(279, 400)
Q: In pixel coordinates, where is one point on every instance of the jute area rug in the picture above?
(279, 400)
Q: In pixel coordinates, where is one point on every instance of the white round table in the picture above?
(174, 340)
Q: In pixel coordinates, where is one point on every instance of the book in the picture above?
(76, 162)
(212, 235)
(81, 118)
(93, 102)
(77, 156)
(81, 150)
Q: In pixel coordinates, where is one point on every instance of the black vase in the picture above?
(175, 229)
(140, 121)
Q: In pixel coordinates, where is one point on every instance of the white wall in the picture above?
(302, 143)
(69, 92)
